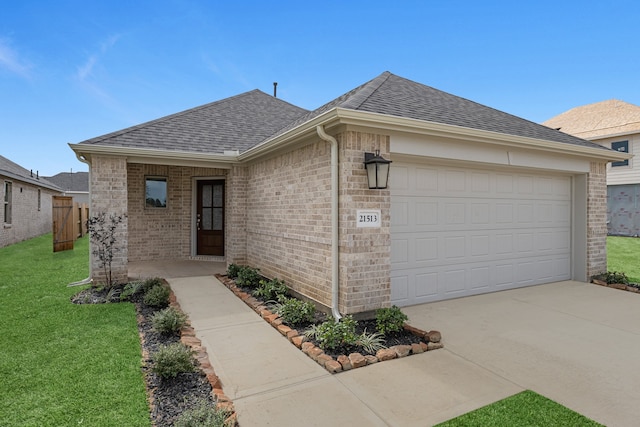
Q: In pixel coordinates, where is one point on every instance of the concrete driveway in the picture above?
(575, 343)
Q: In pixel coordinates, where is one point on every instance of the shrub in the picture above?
(271, 290)
(370, 342)
(204, 414)
(248, 276)
(131, 289)
(157, 296)
(168, 321)
(103, 236)
(614, 277)
(150, 283)
(294, 312)
(172, 360)
(332, 335)
(389, 320)
(233, 270)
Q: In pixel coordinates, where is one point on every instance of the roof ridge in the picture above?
(360, 95)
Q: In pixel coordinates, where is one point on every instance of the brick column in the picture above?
(236, 216)
(109, 195)
(365, 253)
(597, 219)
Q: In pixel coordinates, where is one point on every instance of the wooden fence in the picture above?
(69, 222)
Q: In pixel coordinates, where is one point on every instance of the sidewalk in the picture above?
(273, 383)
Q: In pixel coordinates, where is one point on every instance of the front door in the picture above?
(210, 218)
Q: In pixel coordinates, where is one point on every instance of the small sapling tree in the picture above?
(102, 230)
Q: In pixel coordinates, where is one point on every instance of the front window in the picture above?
(7, 202)
(623, 147)
(155, 192)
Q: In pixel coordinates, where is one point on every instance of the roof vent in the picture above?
(275, 89)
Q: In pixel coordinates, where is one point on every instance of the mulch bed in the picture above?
(167, 398)
(407, 337)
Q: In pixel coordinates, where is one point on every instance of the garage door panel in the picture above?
(470, 231)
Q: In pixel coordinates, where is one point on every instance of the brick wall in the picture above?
(597, 219)
(289, 223)
(365, 253)
(163, 233)
(27, 220)
(109, 196)
(236, 217)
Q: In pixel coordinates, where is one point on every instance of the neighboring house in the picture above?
(479, 200)
(74, 184)
(26, 203)
(613, 124)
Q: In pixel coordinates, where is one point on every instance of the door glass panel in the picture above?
(217, 218)
(206, 219)
(206, 195)
(217, 196)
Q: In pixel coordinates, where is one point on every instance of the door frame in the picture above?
(194, 210)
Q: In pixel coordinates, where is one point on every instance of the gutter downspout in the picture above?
(88, 280)
(335, 247)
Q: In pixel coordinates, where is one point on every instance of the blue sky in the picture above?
(73, 70)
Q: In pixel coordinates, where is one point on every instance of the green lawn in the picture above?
(523, 409)
(623, 254)
(63, 364)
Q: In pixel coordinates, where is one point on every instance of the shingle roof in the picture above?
(246, 120)
(77, 181)
(15, 171)
(396, 96)
(592, 121)
(235, 123)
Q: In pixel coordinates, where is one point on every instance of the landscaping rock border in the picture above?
(188, 338)
(620, 286)
(430, 340)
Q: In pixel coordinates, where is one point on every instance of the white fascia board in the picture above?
(404, 124)
(160, 157)
(291, 136)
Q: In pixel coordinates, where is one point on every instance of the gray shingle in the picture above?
(17, 172)
(396, 96)
(235, 123)
(77, 181)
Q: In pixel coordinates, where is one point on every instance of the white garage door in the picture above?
(458, 231)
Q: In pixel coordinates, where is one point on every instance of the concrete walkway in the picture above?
(575, 343)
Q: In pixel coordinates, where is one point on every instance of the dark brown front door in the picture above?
(210, 218)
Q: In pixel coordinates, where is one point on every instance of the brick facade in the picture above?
(27, 220)
(289, 223)
(109, 196)
(163, 233)
(597, 219)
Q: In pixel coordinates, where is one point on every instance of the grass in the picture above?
(622, 255)
(523, 409)
(63, 364)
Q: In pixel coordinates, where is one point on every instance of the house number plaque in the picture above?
(368, 218)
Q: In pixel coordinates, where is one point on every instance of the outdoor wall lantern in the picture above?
(377, 170)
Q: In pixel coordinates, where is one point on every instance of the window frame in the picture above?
(8, 202)
(617, 145)
(156, 178)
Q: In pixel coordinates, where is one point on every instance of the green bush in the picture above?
(131, 289)
(157, 296)
(203, 414)
(271, 290)
(233, 270)
(370, 342)
(614, 277)
(150, 283)
(332, 335)
(389, 320)
(249, 277)
(168, 321)
(294, 312)
(172, 360)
